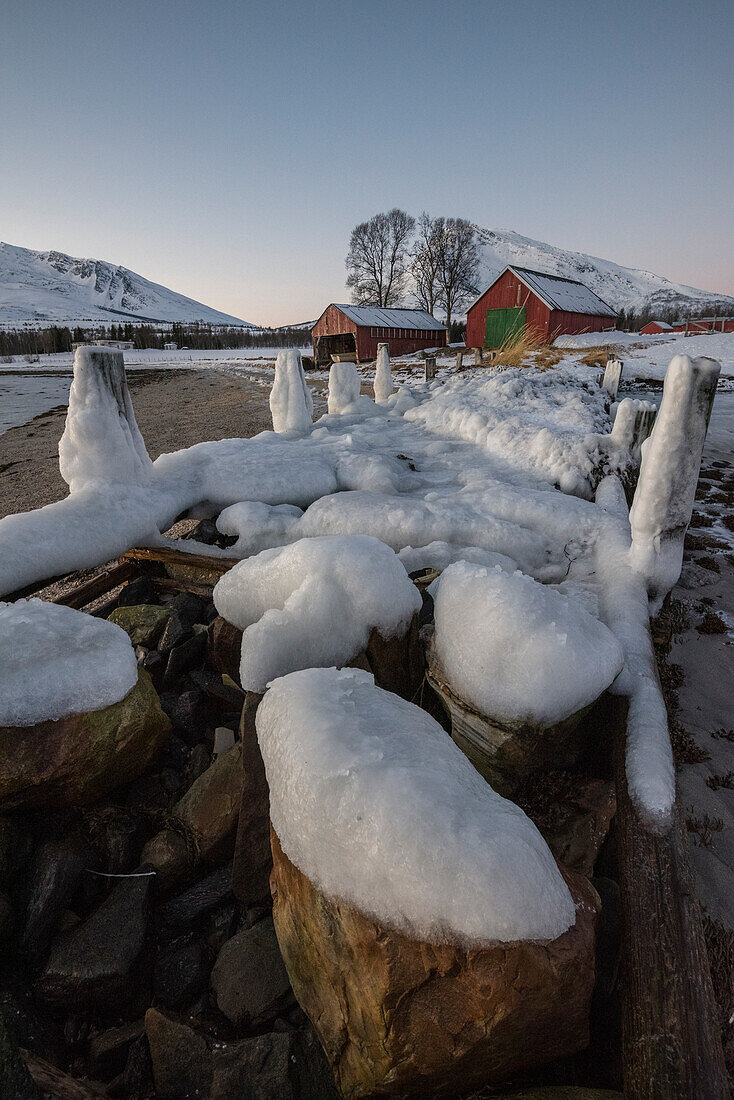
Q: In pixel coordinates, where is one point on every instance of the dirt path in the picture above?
(173, 408)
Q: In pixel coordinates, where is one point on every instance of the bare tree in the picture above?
(458, 264)
(378, 258)
(424, 266)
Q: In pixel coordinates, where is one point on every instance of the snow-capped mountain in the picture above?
(51, 288)
(621, 287)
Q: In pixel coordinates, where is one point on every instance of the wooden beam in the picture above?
(672, 1046)
(82, 594)
(167, 555)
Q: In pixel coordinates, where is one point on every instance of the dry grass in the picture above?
(526, 348)
(597, 357)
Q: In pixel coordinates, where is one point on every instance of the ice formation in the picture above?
(438, 555)
(383, 376)
(372, 800)
(314, 603)
(344, 386)
(519, 651)
(101, 442)
(56, 661)
(633, 422)
(671, 459)
(291, 404)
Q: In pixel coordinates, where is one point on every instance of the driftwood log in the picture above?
(672, 1046)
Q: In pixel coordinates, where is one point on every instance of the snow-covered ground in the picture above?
(647, 357)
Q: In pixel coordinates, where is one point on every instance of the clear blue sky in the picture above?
(226, 149)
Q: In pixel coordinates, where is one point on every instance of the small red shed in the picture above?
(549, 305)
(654, 328)
(345, 328)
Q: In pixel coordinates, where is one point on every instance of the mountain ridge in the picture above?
(50, 288)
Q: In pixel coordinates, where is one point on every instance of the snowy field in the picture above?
(648, 356)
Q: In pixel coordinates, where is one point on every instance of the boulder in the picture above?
(181, 973)
(81, 757)
(252, 858)
(172, 859)
(56, 870)
(249, 979)
(573, 813)
(224, 646)
(94, 965)
(188, 1062)
(210, 807)
(143, 623)
(400, 1017)
(189, 910)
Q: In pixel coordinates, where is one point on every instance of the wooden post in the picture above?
(477, 356)
(633, 423)
(612, 376)
(459, 360)
(430, 367)
(672, 1046)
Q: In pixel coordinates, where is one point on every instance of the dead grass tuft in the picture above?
(526, 348)
(597, 357)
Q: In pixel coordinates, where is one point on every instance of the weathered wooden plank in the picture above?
(167, 555)
(82, 594)
(54, 1082)
(672, 1043)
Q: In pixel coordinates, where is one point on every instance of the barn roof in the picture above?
(565, 294)
(391, 318)
(661, 324)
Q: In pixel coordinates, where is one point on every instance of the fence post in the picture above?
(477, 356)
(430, 368)
(612, 376)
(459, 360)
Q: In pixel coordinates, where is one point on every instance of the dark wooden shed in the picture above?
(342, 329)
(548, 305)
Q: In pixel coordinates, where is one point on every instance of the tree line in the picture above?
(435, 260)
(55, 338)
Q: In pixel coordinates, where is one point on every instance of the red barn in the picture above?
(548, 305)
(342, 329)
(654, 328)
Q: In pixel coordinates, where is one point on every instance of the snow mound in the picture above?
(291, 404)
(439, 555)
(56, 661)
(314, 603)
(373, 802)
(518, 651)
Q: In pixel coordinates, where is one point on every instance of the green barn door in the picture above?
(503, 323)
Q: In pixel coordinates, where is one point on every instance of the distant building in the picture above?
(653, 328)
(548, 305)
(170, 347)
(695, 326)
(357, 330)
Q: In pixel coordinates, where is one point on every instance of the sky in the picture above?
(227, 149)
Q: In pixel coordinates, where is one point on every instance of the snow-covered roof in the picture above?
(564, 294)
(661, 324)
(390, 318)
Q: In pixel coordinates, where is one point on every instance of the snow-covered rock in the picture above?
(519, 651)
(372, 801)
(56, 661)
(314, 603)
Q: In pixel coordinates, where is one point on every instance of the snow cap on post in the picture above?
(671, 458)
(101, 441)
(291, 404)
(344, 387)
(383, 376)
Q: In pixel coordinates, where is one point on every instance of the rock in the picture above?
(154, 664)
(224, 647)
(186, 911)
(176, 631)
(144, 623)
(108, 1050)
(190, 608)
(15, 1080)
(198, 762)
(141, 590)
(78, 759)
(397, 663)
(252, 858)
(249, 978)
(136, 1079)
(6, 914)
(400, 1017)
(188, 1063)
(119, 830)
(93, 965)
(183, 657)
(211, 806)
(188, 712)
(172, 859)
(573, 813)
(181, 973)
(55, 874)
(559, 1092)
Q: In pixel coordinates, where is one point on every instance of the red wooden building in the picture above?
(345, 328)
(696, 326)
(654, 328)
(548, 305)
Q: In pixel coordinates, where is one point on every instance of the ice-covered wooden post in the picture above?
(383, 377)
(612, 377)
(101, 441)
(671, 458)
(430, 368)
(632, 425)
(291, 404)
(344, 386)
(459, 360)
(477, 357)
